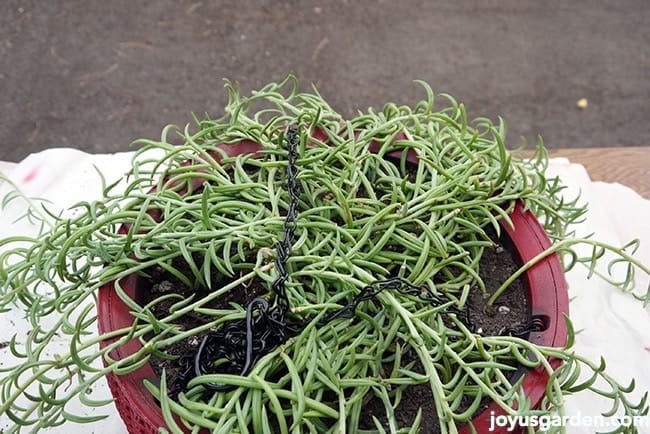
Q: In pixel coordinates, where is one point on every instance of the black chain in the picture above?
(283, 247)
(424, 293)
(238, 345)
(536, 324)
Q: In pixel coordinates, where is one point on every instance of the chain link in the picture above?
(536, 324)
(237, 346)
(283, 247)
(424, 293)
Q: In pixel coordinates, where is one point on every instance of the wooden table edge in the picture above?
(629, 165)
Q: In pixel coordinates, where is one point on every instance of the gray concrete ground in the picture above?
(98, 74)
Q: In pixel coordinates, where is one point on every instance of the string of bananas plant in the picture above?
(362, 216)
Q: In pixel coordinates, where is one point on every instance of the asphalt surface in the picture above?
(97, 74)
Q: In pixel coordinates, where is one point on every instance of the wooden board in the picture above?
(629, 166)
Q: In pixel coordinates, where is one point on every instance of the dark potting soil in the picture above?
(162, 283)
(511, 310)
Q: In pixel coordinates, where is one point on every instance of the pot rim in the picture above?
(547, 291)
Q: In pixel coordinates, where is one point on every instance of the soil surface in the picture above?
(98, 74)
(496, 264)
(510, 311)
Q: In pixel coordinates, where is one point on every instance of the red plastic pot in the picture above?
(548, 299)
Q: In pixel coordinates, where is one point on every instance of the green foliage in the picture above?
(364, 216)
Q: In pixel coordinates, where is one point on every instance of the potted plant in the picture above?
(286, 270)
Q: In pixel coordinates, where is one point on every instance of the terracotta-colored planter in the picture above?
(548, 299)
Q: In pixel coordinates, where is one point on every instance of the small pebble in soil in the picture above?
(164, 286)
(503, 309)
(499, 249)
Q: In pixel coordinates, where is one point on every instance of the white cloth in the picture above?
(612, 324)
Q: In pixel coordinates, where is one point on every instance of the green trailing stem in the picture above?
(363, 216)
